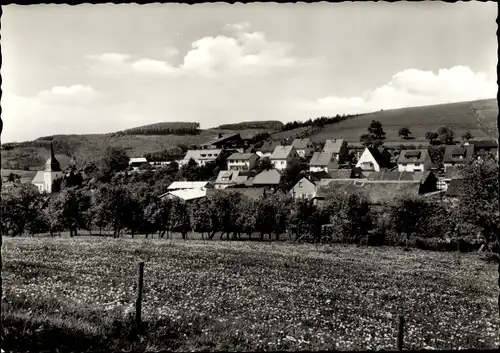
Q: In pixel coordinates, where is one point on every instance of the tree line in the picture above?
(318, 122)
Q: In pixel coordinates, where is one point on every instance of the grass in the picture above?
(478, 117)
(219, 295)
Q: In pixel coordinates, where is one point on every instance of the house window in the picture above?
(300, 184)
(417, 164)
(404, 164)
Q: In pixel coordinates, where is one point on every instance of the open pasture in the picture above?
(218, 295)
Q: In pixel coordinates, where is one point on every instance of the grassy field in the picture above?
(220, 295)
(479, 117)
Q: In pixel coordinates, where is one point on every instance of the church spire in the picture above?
(52, 163)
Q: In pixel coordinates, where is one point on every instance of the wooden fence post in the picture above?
(401, 332)
(138, 303)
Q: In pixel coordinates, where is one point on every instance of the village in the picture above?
(398, 168)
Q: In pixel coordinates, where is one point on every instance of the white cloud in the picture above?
(153, 66)
(412, 88)
(69, 95)
(241, 51)
(111, 58)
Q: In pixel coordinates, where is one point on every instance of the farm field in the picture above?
(219, 295)
(479, 117)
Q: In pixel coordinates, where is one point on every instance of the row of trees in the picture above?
(318, 122)
(179, 128)
(136, 208)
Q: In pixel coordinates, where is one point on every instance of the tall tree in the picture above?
(479, 197)
(467, 136)
(114, 159)
(404, 132)
(446, 135)
(431, 136)
(375, 136)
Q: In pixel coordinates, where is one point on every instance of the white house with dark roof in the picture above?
(323, 161)
(457, 155)
(283, 156)
(372, 160)
(304, 147)
(201, 157)
(414, 161)
(242, 161)
(44, 179)
(338, 147)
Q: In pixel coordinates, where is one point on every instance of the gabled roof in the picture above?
(267, 177)
(220, 139)
(234, 177)
(240, 156)
(321, 159)
(189, 185)
(300, 144)
(484, 144)
(38, 179)
(383, 161)
(333, 145)
(396, 176)
(282, 152)
(251, 193)
(457, 153)
(321, 175)
(413, 156)
(375, 191)
(269, 146)
(202, 154)
(340, 174)
(186, 194)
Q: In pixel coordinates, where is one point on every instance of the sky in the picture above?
(104, 68)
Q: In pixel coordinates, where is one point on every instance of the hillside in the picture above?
(83, 148)
(479, 117)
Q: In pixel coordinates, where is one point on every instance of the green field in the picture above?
(221, 295)
(478, 117)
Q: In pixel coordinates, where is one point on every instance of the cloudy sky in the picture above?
(103, 68)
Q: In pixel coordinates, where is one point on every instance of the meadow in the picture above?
(76, 294)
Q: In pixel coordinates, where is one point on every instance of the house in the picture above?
(307, 187)
(201, 157)
(44, 180)
(283, 156)
(230, 178)
(136, 162)
(242, 161)
(372, 160)
(377, 192)
(428, 180)
(451, 173)
(185, 194)
(183, 185)
(414, 161)
(338, 147)
(304, 147)
(325, 161)
(268, 148)
(250, 193)
(457, 155)
(270, 179)
(484, 147)
(229, 141)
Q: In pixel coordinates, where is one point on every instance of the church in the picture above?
(44, 179)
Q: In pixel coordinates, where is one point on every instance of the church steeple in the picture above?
(52, 163)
